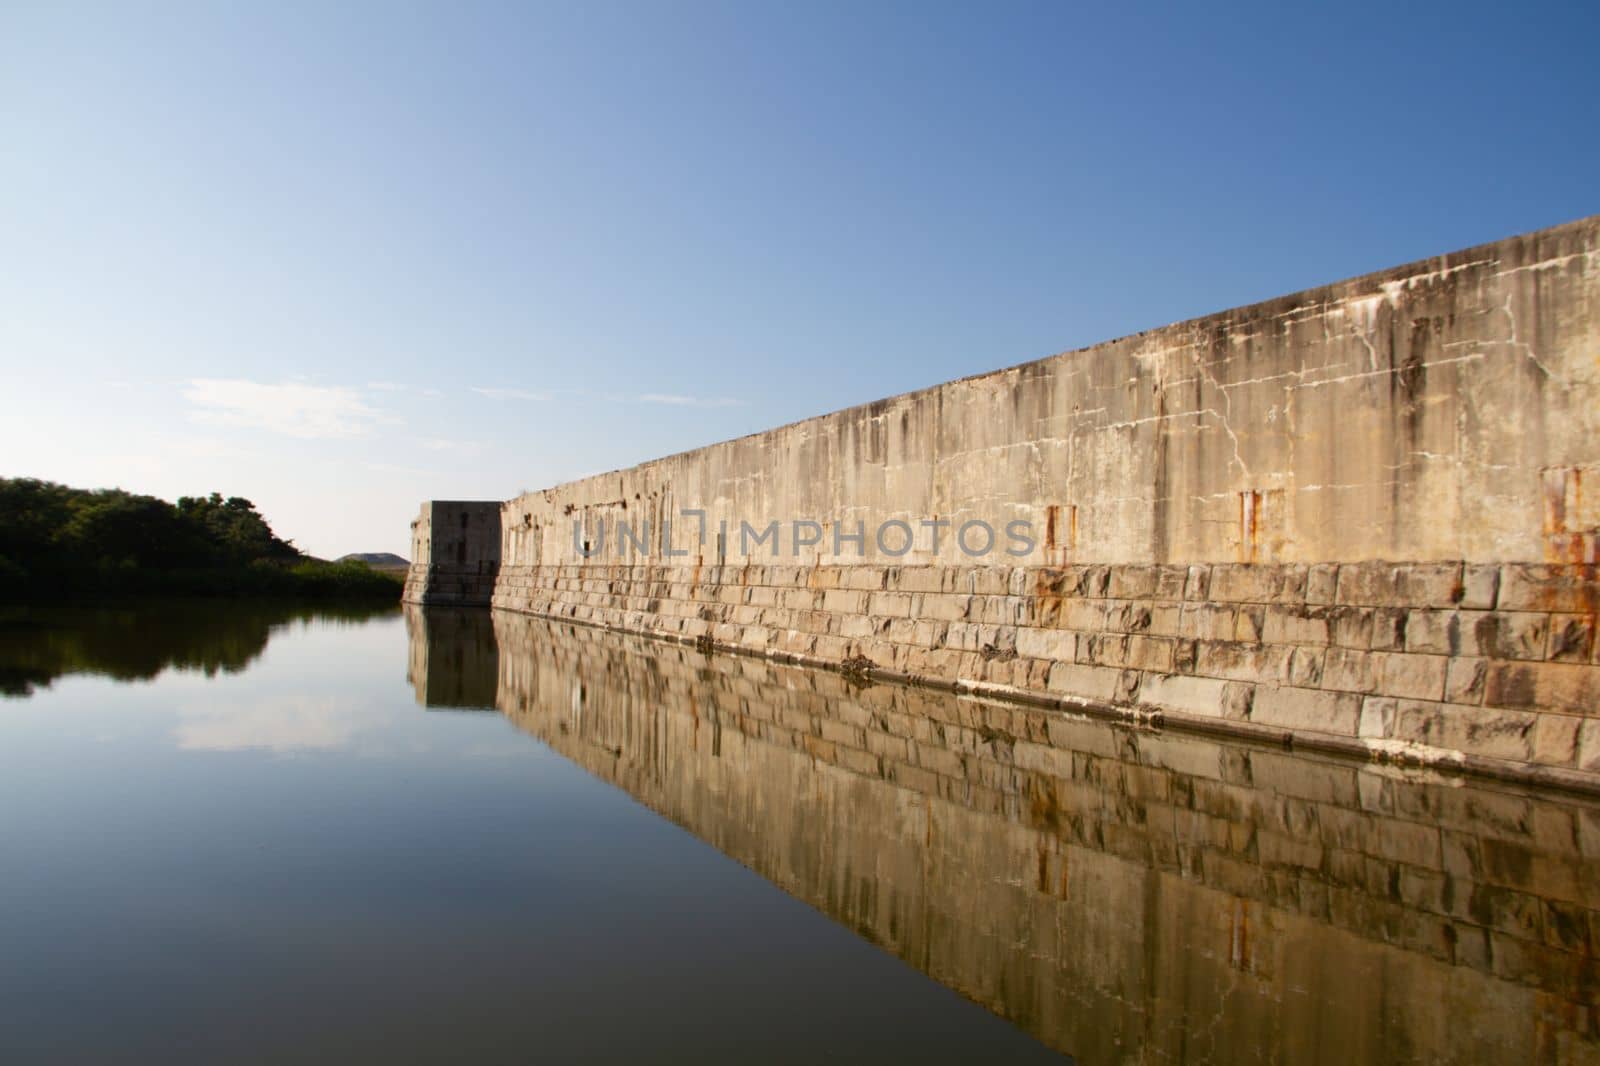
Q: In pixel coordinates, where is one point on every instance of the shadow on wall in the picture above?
(1121, 894)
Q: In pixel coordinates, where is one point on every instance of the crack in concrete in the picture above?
(1227, 427)
(1533, 356)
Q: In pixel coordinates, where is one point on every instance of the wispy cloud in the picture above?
(398, 468)
(455, 447)
(293, 409)
(395, 386)
(296, 724)
(676, 400)
(509, 394)
(665, 399)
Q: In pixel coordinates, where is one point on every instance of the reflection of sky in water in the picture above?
(293, 723)
(297, 862)
(299, 695)
(301, 699)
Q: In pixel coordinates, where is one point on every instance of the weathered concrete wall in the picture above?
(455, 553)
(1356, 512)
(1126, 896)
(1442, 411)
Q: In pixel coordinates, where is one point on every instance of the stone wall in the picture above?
(1491, 664)
(1124, 895)
(1355, 514)
(455, 553)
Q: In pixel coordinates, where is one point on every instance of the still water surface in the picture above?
(268, 835)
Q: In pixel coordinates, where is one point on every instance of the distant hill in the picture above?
(377, 560)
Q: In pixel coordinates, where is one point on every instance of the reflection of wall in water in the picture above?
(454, 659)
(1124, 896)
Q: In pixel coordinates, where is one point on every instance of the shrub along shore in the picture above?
(59, 543)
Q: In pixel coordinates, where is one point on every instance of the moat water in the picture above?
(267, 834)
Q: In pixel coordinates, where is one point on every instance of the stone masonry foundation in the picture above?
(1429, 661)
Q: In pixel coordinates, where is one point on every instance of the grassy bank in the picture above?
(309, 580)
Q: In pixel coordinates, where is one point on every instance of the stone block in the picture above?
(1464, 680)
(1571, 638)
(1305, 667)
(1126, 617)
(865, 577)
(1555, 739)
(846, 601)
(1377, 718)
(889, 604)
(1046, 644)
(1433, 632)
(1150, 653)
(1238, 698)
(1192, 695)
(1100, 683)
(1322, 584)
(1165, 620)
(1400, 585)
(1306, 709)
(1248, 623)
(1570, 687)
(1348, 670)
(963, 635)
(1480, 586)
(1242, 583)
(1508, 635)
(940, 606)
(1413, 676)
(1171, 583)
(1561, 589)
(1350, 627)
(1207, 621)
(1132, 582)
(1183, 655)
(1242, 662)
(915, 579)
(1589, 750)
(1367, 585)
(1484, 731)
(1389, 628)
(1084, 616)
(1295, 625)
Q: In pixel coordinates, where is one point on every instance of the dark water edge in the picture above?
(306, 580)
(261, 833)
(137, 640)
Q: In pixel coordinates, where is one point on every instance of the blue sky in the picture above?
(340, 258)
